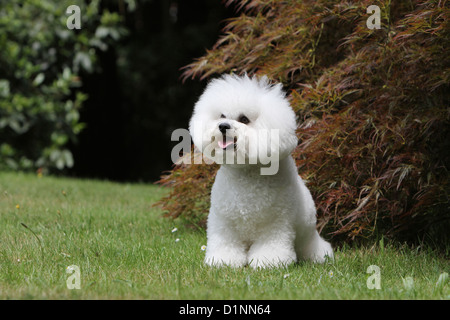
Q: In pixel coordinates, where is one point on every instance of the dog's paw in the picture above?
(231, 258)
(220, 262)
(271, 258)
(318, 251)
(264, 263)
(323, 252)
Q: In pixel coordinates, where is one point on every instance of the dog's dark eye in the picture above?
(244, 120)
(222, 116)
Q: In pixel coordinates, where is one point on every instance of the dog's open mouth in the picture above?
(227, 142)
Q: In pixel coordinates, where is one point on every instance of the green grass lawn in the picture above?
(125, 250)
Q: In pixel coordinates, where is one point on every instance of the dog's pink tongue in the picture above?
(224, 144)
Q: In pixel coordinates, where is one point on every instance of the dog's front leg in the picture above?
(223, 247)
(273, 250)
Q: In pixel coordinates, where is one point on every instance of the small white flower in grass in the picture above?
(331, 274)
(203, 247)
(177, 239)
(174, 230)
(286, 275)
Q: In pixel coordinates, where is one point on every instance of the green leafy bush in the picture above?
(373, 107)
(41, 68)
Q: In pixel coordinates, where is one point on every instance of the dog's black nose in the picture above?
(223, 127)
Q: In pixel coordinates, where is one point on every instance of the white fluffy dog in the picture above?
(261, 218)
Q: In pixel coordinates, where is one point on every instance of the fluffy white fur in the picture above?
(255, 219)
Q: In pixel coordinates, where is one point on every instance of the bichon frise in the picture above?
(261, 214)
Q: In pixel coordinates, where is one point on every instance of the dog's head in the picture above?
(242, 120)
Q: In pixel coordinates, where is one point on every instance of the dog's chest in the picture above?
(246, 203)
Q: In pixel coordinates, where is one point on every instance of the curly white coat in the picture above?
(263, 220)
